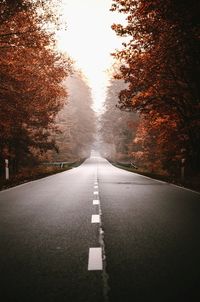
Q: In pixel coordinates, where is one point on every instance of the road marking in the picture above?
(95, 183)
(95, 187)
(95, 262)
(96, 192)
(95, 218)
(101, 231)
(95, 202)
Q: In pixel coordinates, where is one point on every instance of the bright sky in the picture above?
(89, 40)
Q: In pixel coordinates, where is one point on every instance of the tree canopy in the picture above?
(31, 73)
(161, 65)
(76, 121)
(117, 128)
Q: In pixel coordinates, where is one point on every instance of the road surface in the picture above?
(98, 233)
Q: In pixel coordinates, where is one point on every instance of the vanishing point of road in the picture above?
(97, 233)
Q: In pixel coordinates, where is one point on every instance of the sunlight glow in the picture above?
(89, 40)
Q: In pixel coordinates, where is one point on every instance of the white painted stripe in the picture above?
(95, 262)
(95, 202)
(95, 183)
(96, 192)
(95, 187)
(95, 219)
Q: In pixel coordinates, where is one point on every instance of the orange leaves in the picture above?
(161, 65)
(154, 142)
(31, 93)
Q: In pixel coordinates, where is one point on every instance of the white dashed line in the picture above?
(95, 262)
(95, 219)
(95, 259)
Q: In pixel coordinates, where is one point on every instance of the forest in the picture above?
(45, 104)
(151, 111)
(160, 68)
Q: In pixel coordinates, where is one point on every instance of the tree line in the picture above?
(76, 121)
(32, 84)
(31, 73)
(160, 64)
(117, 128)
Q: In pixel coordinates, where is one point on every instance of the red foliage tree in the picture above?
(31, 74)
(161, 64)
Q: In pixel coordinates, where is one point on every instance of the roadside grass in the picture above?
(32, 173)
(190, 182)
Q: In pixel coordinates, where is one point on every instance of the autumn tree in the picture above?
(117, 128)
(151, 149)
(76, 121)
(161, 65)
(31, 91)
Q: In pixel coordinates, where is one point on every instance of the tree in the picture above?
(76, 121)
(31, 91)
(161, 65)
(151, 148)
(117, 128)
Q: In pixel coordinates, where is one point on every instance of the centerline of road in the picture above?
(95, 218)
(95, 258)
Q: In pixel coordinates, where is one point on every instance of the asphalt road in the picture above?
(148, 230)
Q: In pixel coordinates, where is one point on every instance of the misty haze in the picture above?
(99, 151)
